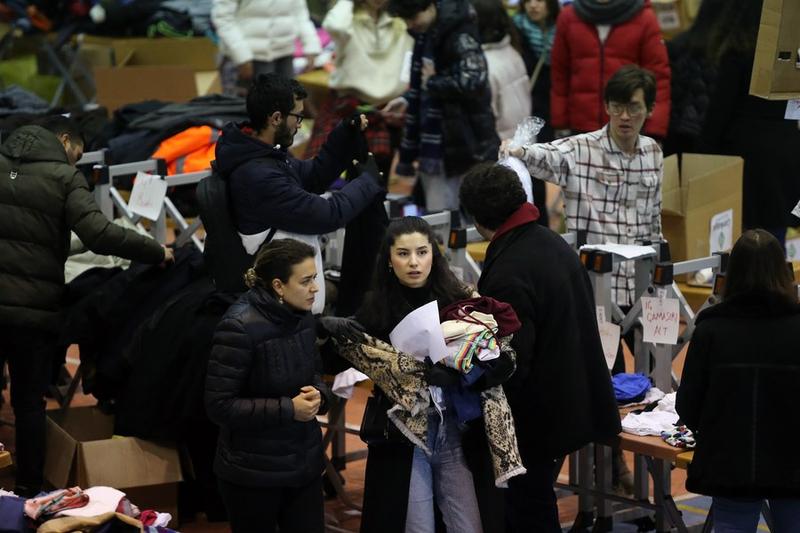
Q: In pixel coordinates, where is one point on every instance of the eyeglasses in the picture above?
(298, 117)
(634, 109)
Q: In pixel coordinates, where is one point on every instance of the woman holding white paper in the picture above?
(403, 484)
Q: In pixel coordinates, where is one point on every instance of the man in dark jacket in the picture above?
(42, 198)
(274, 195)
(561, 395)
(449, 125)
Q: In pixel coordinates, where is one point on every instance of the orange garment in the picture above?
(190, 150)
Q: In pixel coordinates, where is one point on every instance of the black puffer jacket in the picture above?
(461, 84)
(262, 354)
(42, 198)
(738, 394)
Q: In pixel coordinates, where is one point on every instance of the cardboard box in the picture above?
(776, 68)
(81, 452)
(173, 70)
(701, 204)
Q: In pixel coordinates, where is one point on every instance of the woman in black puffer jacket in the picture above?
(264, 390)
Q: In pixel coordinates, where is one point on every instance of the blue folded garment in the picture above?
(630, 388)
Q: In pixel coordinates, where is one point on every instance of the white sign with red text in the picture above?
(660, 320)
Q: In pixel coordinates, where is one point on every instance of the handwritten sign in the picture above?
(660, 320)
(796, 210)
(147, 196)
(609, 336)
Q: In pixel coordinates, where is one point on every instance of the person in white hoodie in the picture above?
(258, 36)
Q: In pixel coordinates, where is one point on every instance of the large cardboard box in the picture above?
(81, 451)
(701, 204)
(174, 70)
(776, 68)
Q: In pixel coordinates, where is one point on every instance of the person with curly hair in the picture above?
(559, 354)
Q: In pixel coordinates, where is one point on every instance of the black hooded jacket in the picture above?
(262, 354)
(271, 189)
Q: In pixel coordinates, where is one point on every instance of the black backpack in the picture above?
(224, 253)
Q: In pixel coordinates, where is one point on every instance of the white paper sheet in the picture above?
(420, 333)
(609, 336)
(628, 251)
(796, 210)
(660, 320)
(522, 173)
(147, 196)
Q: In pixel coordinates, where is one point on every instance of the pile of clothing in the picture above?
(74, 509)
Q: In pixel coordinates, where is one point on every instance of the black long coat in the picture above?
(739, 395)
(561, 395)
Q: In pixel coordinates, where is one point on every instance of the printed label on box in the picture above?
(720, 237)
(147, 196)
(660, 320)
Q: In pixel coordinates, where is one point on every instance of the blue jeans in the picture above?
(443, 476)
(735, 515)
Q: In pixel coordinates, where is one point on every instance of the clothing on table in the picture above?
(610, 196)
(680, 437)
(662, 418)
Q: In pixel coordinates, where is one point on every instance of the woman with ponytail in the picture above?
(264, 390)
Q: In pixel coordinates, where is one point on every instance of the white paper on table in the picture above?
(660, 320)
(420, 333)
(101, 500)
(344, 381)
(720, 235)
(147, 196)
(522, 173)
(792, 110)
(609, 336)
(628, 251)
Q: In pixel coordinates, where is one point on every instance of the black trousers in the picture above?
(262, 510)
(28, 354)
(531, 501)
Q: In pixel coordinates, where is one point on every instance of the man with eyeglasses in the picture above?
(274, 195)
(611, 177)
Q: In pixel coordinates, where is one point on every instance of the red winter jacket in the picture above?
(581, 67)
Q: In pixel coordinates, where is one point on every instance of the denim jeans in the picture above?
(735, 515)
(444, 478)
